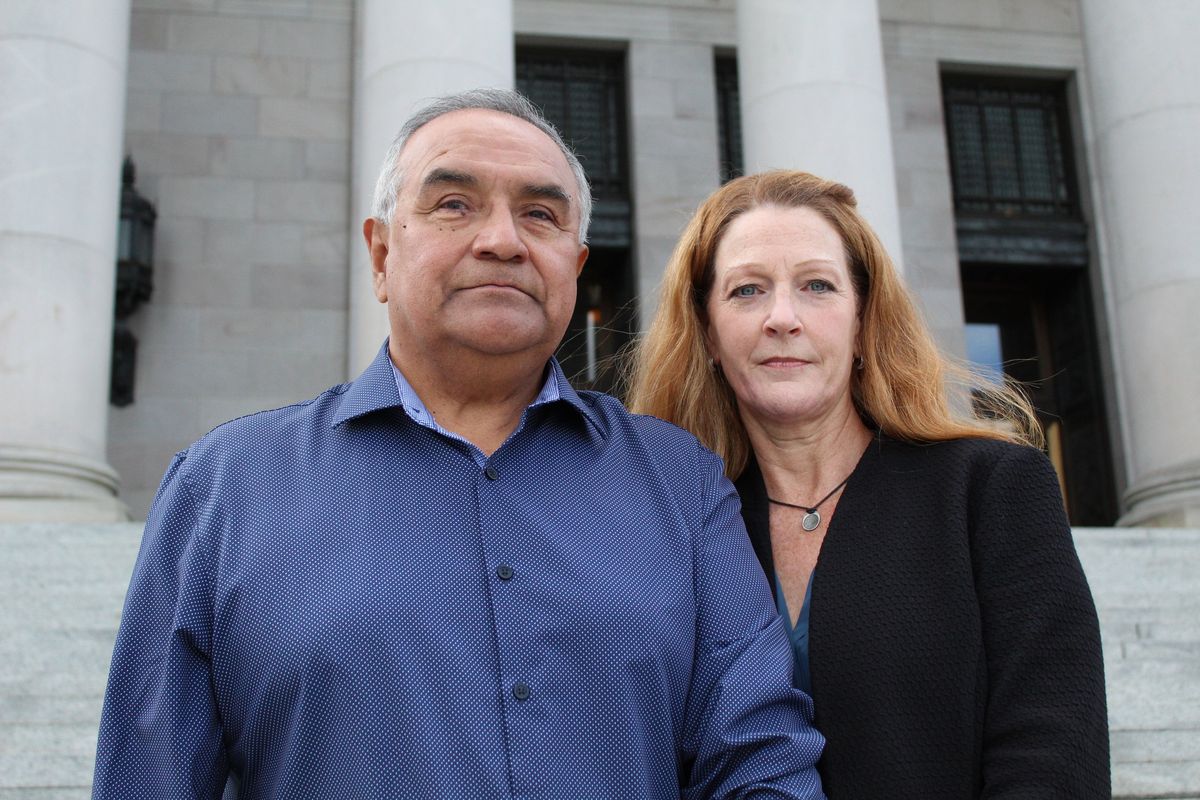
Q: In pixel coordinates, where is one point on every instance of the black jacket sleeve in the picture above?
(1045, 726)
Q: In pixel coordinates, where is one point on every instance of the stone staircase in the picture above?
(62, 588)
(1147, 589)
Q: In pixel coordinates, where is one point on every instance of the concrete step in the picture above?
(63, 586)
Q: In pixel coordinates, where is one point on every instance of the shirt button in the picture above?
(490, 473)
(504, 572)
(521, 691)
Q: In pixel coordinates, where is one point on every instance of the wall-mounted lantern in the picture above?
(135, 281)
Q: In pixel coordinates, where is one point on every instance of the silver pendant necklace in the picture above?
(813, 517)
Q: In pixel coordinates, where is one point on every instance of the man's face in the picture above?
(483, 250)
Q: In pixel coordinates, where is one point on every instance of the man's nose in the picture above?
(499, 237)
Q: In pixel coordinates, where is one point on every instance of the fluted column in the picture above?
(62, 104)
(813, 97)
(408, 54)
(1144, 76)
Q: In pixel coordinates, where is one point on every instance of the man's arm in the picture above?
(160, 735)
(748, 731)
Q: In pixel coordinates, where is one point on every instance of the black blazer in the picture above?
(954, 645)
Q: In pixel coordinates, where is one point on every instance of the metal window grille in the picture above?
(729, 118)
(583, 94)
(1009, 148)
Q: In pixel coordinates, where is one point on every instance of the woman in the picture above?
(920, 556)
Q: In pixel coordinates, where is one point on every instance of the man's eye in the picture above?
(542, 214)
(453, 204)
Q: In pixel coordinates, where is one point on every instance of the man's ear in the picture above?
(376, 235)
(583, 257)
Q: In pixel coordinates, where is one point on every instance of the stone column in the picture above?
(62, 101)
(813, 97)
(408, 54)
(673, 120)
(1144, 79)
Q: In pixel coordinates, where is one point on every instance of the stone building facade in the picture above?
(1027, 162)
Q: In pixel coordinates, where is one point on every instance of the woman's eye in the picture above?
(819, 286)
(749, 290)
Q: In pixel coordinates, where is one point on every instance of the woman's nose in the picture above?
(784, 317)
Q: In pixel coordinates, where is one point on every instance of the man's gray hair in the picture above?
(506, 101)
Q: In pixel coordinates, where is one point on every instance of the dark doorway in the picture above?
(1034, 326)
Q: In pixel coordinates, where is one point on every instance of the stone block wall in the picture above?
(238, 118)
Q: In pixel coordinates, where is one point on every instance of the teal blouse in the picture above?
(797, 635)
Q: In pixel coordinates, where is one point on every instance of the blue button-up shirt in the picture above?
(415, 407)
(332, 600)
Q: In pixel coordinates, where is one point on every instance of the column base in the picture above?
(41, 485)
(1168, 498)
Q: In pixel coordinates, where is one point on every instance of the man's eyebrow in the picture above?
(547, 191)
(449, 177)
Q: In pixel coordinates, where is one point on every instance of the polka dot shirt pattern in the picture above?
(334, 601)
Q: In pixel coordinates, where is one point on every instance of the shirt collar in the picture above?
(568, 395)
(416, 408)
(379, 387)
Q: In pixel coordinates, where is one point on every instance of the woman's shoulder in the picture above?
(970, 461)
(973, 449)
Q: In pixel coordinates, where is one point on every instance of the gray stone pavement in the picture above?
(62, 587)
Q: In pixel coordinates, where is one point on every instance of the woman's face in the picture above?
(783, 316)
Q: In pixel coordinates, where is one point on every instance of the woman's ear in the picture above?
(710, 346)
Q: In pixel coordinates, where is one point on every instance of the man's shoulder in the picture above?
(661, 438)
(613, 411)
(284, 426)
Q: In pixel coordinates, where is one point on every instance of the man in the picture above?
(455, 577)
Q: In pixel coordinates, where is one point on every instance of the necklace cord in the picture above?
(815, 505)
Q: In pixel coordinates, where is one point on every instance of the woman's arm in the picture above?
(1046, 725)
